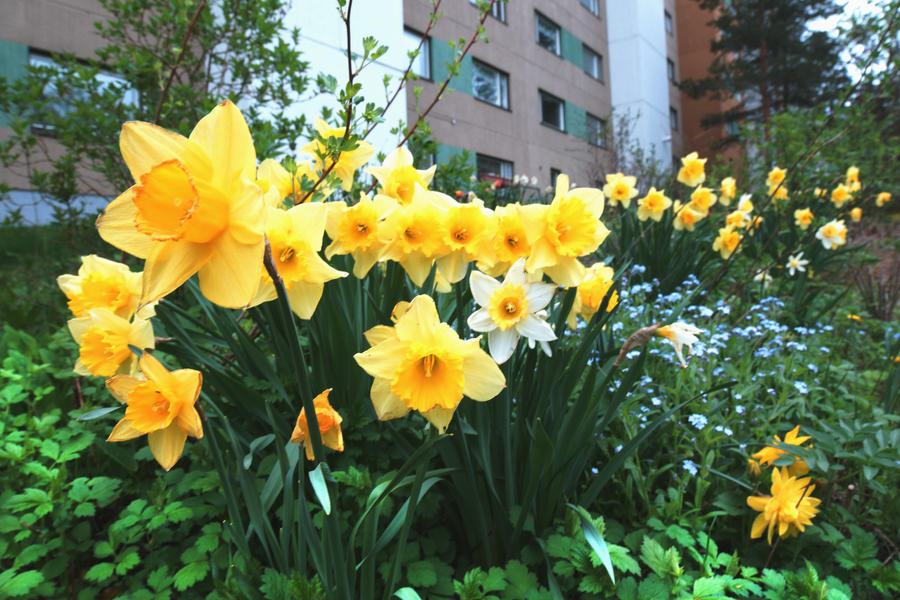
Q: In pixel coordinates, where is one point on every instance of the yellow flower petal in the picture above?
(123, 431)
(484, 380)
(117, 226)
(120, 386)
(224, 135)
(231, 276)
(188, 420)
(382, 360)
(387, 405)
(171, 264)
(439, 417)
(167, 445)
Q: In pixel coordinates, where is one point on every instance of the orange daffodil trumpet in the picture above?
(160, 405)
(421, 364)
(329, 426)
(507, 310)
(194, 208)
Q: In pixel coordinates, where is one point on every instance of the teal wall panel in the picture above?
(441, 56)
(571, 48)
(575, 120)
(13, 63)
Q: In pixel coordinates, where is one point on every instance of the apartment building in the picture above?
(534, 101)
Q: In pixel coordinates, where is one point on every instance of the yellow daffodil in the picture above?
(594, 287)
(348, 162)
(507, 310)
(702, 199)
(160, 404)
(570, 227)
(468, 231)
(329, 427)
(856, 214)
(775, 178)
(398, 177)
(509, 242)
(832, 234)
(769, 454)
(194, 209)
(778, 193)
(840, 195)
(692, 172)
(753, 467)
(803, 218)
(679, 335)
(727, 241)
(882, 198)
(853, 179)
(788, 510)
(421, 364)
(653, 205)
(102, 283)
(685, 217)
(279, 184)
(620, 188)
(796, 264)
(354, 230)
(295, 237)
(727, 190)
(737, 219)
(746, 203)
(103, 338)
(412, 235)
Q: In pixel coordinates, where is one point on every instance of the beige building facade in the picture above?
(534, 101)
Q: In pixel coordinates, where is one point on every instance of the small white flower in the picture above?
(764, 277)
(680, 334)
(832, 234)
(508, 310)
(534, 181)
(796, 263)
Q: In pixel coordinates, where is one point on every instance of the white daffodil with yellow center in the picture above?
(679, 334)
(508, 310)
(796, 263)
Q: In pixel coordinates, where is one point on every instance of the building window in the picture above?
(547, 34)
(493, 169)
(553, 111)
(732, 128)
(670, 28)
(592, 63)
(554, 175)
(595, 128)
(490, 85)
(498, 10)
(673, 118)
(591, 5)
(670, 68)
(421, 64)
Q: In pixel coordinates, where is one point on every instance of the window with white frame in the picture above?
(498, 10)
(547, 34)
(553, 111)
(673, 118)
(490, 85)
(591, 5)
(592, 63)
(595, 128)
(492, 168)
(670, 69)
(670, 27)
(421, 64)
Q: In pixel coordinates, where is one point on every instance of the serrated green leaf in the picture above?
(421, 574)
(127, 562)
(680, 535)
(100, 572)
(85, 509)
(159, 579)
(190, 574)
(709, 587)
(654, 556)
(653, 588)
(19, 584)
(103, 549)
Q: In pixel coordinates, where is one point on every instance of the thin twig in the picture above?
(184, 43)
(348, 108)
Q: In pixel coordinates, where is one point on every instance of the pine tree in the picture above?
(767, 57)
